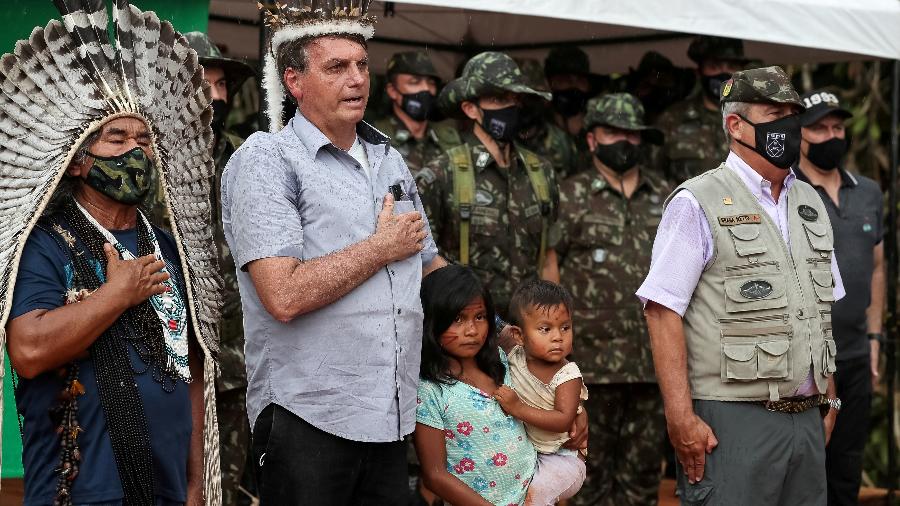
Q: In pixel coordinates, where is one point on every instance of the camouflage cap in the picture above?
(762, 85)
(485, 74)
(209, 55)
(708, 47)
(567, 60)
(620, 110)
(417, 63)
(533, 72)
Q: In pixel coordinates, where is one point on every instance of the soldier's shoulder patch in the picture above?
(739, 219)
(426, 175)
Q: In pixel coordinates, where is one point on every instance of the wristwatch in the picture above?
(835, 404)
(876, 336)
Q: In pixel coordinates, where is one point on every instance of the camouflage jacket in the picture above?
(232, 371)
(604, 243)
(559, 148)
(416, 153)
(694, 140)
(506, 218)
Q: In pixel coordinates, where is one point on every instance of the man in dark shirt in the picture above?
(854, 205)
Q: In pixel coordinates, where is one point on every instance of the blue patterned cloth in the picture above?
(487, 450)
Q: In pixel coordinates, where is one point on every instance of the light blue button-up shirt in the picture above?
(350, 368)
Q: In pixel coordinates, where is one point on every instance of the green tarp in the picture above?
(17, 19)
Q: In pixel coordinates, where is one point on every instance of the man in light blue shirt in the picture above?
(330, 242)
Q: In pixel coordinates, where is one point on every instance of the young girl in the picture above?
(470, 451)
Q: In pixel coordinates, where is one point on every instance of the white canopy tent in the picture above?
(614, 33)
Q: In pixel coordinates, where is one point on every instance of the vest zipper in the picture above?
(786, 318)
(732, 268)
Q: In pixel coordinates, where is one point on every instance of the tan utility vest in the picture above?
(760, 316)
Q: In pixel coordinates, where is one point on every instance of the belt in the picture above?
(797, 404)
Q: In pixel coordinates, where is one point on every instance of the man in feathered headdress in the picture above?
(111, 322)
(330, 243)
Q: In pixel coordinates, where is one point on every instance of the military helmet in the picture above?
(762, 85)
(620, 110)
(567, 60)
(417, 63)
(209, 55)
(708, 47)
(485, 74)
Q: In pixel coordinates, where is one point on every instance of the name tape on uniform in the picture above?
(740, 219)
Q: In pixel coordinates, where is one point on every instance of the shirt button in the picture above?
(399, 310)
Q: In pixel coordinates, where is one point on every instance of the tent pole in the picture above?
(892, 334)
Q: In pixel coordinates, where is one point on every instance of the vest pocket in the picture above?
(829, 354)
(823, 284)
(754, 358)
(817, 234)
(750, 359)
(746, 239)
(754, 292)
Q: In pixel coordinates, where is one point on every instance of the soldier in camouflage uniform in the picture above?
(695, 141)
(537, 132)
(607, 222)
(225, 77)
(490, 201)
(412, 87)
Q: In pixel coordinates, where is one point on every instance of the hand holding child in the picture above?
(508, 399)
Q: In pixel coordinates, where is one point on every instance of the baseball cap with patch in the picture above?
(762, 85)
(623, 111)
(821, 103)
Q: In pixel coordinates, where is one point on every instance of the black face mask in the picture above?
(569, 102)
(777, 141)
(827, 155)
(531, 118)
(220, 114)
(501, 124)
(618, 156)
(418, 105)
(712, 85)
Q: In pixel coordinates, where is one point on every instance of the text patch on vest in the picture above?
(739, 219)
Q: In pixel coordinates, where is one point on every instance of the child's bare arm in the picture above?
(433, 461)
(558, 419)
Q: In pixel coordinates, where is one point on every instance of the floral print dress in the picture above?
(487, 450)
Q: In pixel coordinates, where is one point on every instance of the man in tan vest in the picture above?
(738, 305)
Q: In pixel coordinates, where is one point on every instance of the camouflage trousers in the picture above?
(626, 445)
(234, 441)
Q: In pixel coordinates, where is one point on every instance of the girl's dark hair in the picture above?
(445, 293)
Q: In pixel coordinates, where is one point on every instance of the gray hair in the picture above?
(741, 108)
(84, 149)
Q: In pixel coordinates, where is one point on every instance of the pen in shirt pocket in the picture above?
(397, 192)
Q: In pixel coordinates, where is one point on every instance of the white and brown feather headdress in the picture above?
(300, 19)
(61, 85)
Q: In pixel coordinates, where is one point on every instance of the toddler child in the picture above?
(548, 388)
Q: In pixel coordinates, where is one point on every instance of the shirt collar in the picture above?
(847, 179)
(753, 180)
(313, 139)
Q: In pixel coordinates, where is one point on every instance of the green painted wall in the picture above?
(17, 19)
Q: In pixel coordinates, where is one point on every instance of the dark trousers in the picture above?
(298, 464)
(844, 455)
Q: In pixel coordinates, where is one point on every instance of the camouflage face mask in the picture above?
(126, 178)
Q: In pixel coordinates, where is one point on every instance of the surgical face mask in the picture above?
(827, 155)
(712, 85)
(220, 114)
(777, 141)
(569, 102)
(619, 156)
(126, 178)
(501, 124)
(417, 105)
